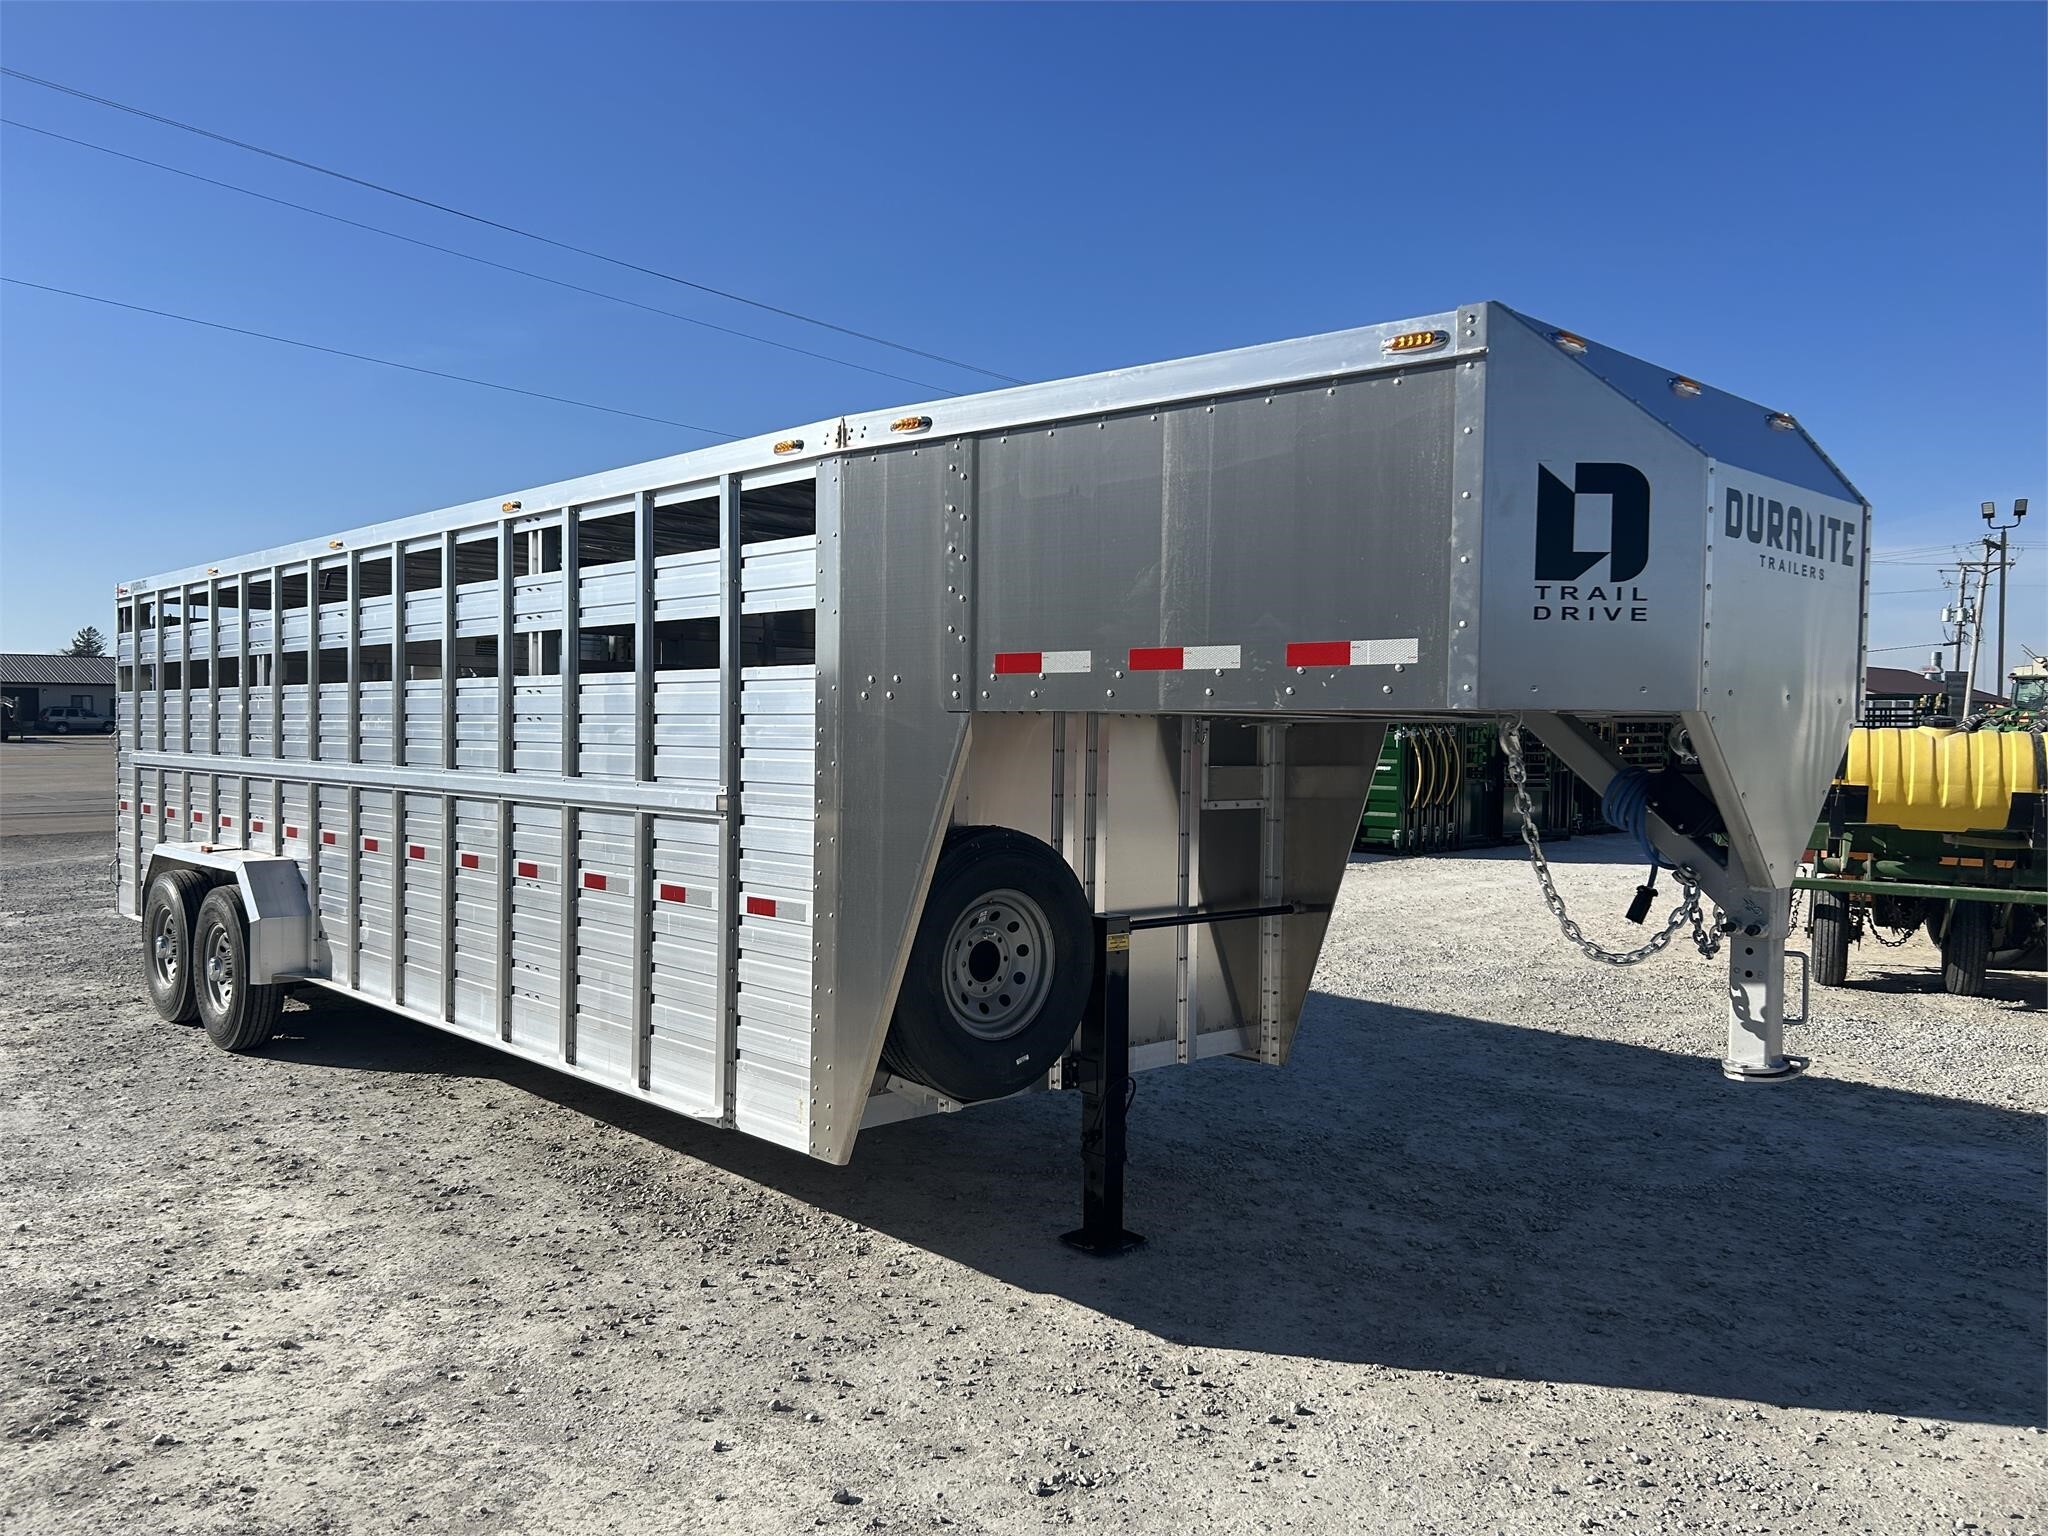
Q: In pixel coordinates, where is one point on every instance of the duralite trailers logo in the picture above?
(1562, 597)
(1790, 539)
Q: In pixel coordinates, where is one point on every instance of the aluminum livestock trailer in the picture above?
(783, 783)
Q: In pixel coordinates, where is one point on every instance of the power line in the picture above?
(449, 250)
(490, 223)
(364, 357)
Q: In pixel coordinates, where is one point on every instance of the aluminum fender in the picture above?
(273, 893)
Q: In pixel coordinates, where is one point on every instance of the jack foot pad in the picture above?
(1104, 1245)
(1783, 1070)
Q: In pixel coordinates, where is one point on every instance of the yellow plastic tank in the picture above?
(1932, 779)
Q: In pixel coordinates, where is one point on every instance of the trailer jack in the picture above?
(1102, 1061)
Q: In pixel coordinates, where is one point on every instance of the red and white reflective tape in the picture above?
(531, 869)
(330, 838)
(605, 882)
(1354, 653)
(781, 907)
(255, 823)
(418, 851)
(292, 834)
(1042, 663)
(124, 806)
(1186, 658)
(145, 807)
(373, 844)
(482, 863)
(227, 821)
(170, 813)
(674, 895)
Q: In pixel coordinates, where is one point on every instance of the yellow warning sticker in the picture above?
(1117, 942)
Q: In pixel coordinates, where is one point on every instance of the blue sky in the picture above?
(1837, 210)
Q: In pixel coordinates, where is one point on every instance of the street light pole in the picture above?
(2019, 514)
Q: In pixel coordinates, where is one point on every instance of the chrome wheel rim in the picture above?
(220, 972)
(163, 947)
(998, 964)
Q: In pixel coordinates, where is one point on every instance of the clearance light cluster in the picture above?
(334, 543)
(1576, 345)
(1780, 422)
(1415, 341)
(1690, 389)
(790, 445)
(511, 506)
(911, 424)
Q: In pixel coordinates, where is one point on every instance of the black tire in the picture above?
(1966, 948)
(1002, 905)
(61, 728)
(168, 913)
(1831, 933)
(107, 729)
(237, 1016)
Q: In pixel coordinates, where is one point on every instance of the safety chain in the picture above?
(1905, 936)
(1706, 937)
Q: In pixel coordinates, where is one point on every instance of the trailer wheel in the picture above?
(1966, 948)
(1831, 934)
(999, 971)
(168, 913)
(238, 1016)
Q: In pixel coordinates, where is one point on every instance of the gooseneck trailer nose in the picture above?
(781, 783)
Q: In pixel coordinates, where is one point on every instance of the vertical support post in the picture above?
(643, 947)
(184, 682)
(399, 653)
(448, 678)
(399, 820)
(448, 869)
(213, 677)
(1756, 997)
(156, 669)
(725, 1047)
(1193, 739)
(352, 897)
(1104, 1063)
(505, 868)
(313, 578)
(242, 660)
(1272, 884)
(569, 878)
(572, 646)
(643, 639)
(352, 690)
(508, 642)
(277, 667)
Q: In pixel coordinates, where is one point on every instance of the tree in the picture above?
(88, 642)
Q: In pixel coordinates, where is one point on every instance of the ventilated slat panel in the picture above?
(423, 616)
(536, 927)
(607, 967)
(127, 814)
(604, 726)
(476, 608)
(476, 722)
(684, 975)
(174, 724)
(333, 624)
(376, 906)
(337, 924)
(228, 724)
(375, 618)
(419, 931)
(295, 748)
(198, 724)
(334, 722)
(477, 876)
(686, 729)
(423, 725)
(537, 602)
(373, 724)
(686, 586)
(608, 594)
(771, 1093)
(296, 629)
(779, 574)
(537, 725)
(259, 631)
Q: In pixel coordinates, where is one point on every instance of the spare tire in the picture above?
(999, 971)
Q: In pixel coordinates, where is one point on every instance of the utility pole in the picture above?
(2019, 513)
(1963, 616)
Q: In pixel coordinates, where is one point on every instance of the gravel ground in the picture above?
(1499, 1251)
